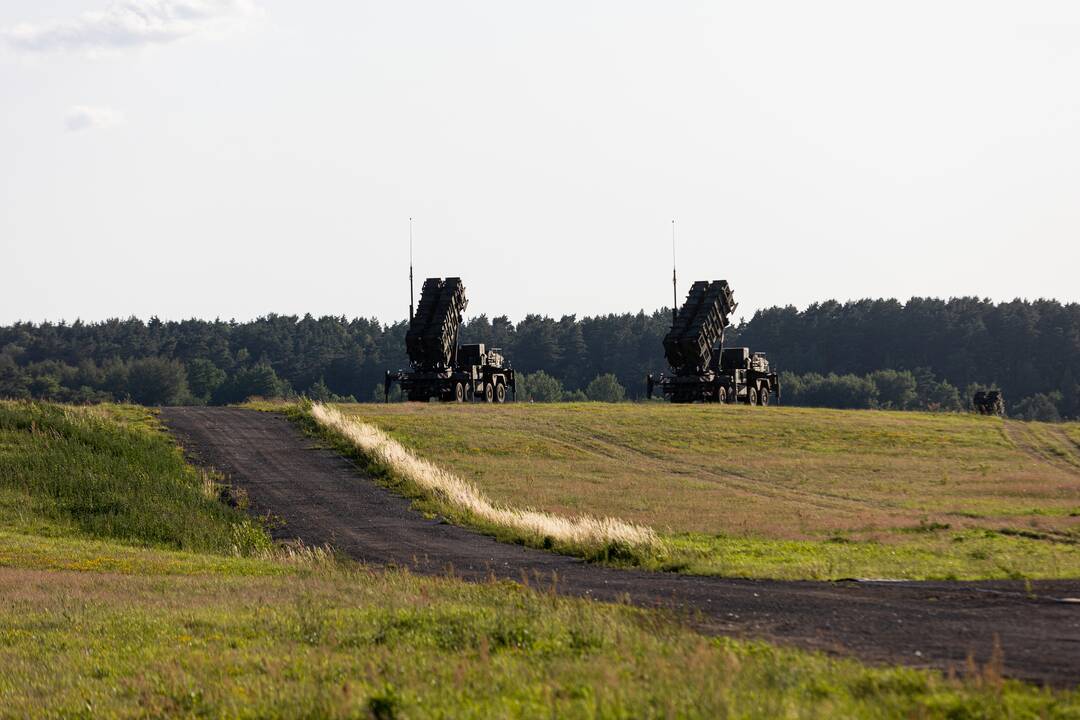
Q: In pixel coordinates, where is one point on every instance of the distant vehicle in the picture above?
(440, 367)
(989, 402)
(702, 369)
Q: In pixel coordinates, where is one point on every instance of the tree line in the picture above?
(925, 353)
(1029, 350)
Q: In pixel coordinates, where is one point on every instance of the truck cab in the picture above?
(746, 376)
(481, 374)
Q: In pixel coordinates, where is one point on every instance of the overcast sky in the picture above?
(232, 158)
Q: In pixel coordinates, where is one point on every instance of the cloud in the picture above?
(129, 24)
(84, 117)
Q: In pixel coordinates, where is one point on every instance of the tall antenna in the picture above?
(674, 281)
(410, 273)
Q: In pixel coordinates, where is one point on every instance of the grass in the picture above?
(334, 641)
(460, 501)
(110, 620)
(778, 492)
(109, 472)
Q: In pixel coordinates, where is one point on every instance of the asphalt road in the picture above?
(325, 499)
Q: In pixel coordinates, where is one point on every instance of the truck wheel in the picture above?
(459, 392)
(763, 397)
(489, 392)
(500, 393)
(721, 395)
(751, 396)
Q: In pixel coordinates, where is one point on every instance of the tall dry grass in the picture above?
(608, 537)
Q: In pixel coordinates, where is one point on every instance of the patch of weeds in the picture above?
(385, 704)
(583, 640)
(617, 553)
(250, 538)
(926, 527)
(447, 632)
(1011, 572)
(897, 682)
(311, 621)
(511, 634)
(576, 692)
(1036, 535)
(454, 635)
(234, 497)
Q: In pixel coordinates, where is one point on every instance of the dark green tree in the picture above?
(832, 390)
(943, 396)
(1041, 406)
(258, 381)
(46, 387)
(204, 378)
(157, 381)
(13, 382)
(895, 389)
(320, 392)
(539, 387)
(605, 388)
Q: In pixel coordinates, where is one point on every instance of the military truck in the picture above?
(702, 369)
(989, 402)
(440, 367)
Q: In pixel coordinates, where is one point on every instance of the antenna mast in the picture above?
(674, 281)
(410, 273)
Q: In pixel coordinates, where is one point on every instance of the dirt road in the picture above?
(325, 499)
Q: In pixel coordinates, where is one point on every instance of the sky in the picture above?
(234, 158)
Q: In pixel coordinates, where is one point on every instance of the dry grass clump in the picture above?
(298, 553)
(577, 532)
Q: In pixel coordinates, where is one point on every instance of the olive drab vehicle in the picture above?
(989, 402)
(702, 369)
(440, 367)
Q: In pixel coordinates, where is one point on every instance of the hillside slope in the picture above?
(109, 472)
(789, 492)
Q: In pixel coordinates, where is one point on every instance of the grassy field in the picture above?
(778, 492)
(269, 639)
(105, 615)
